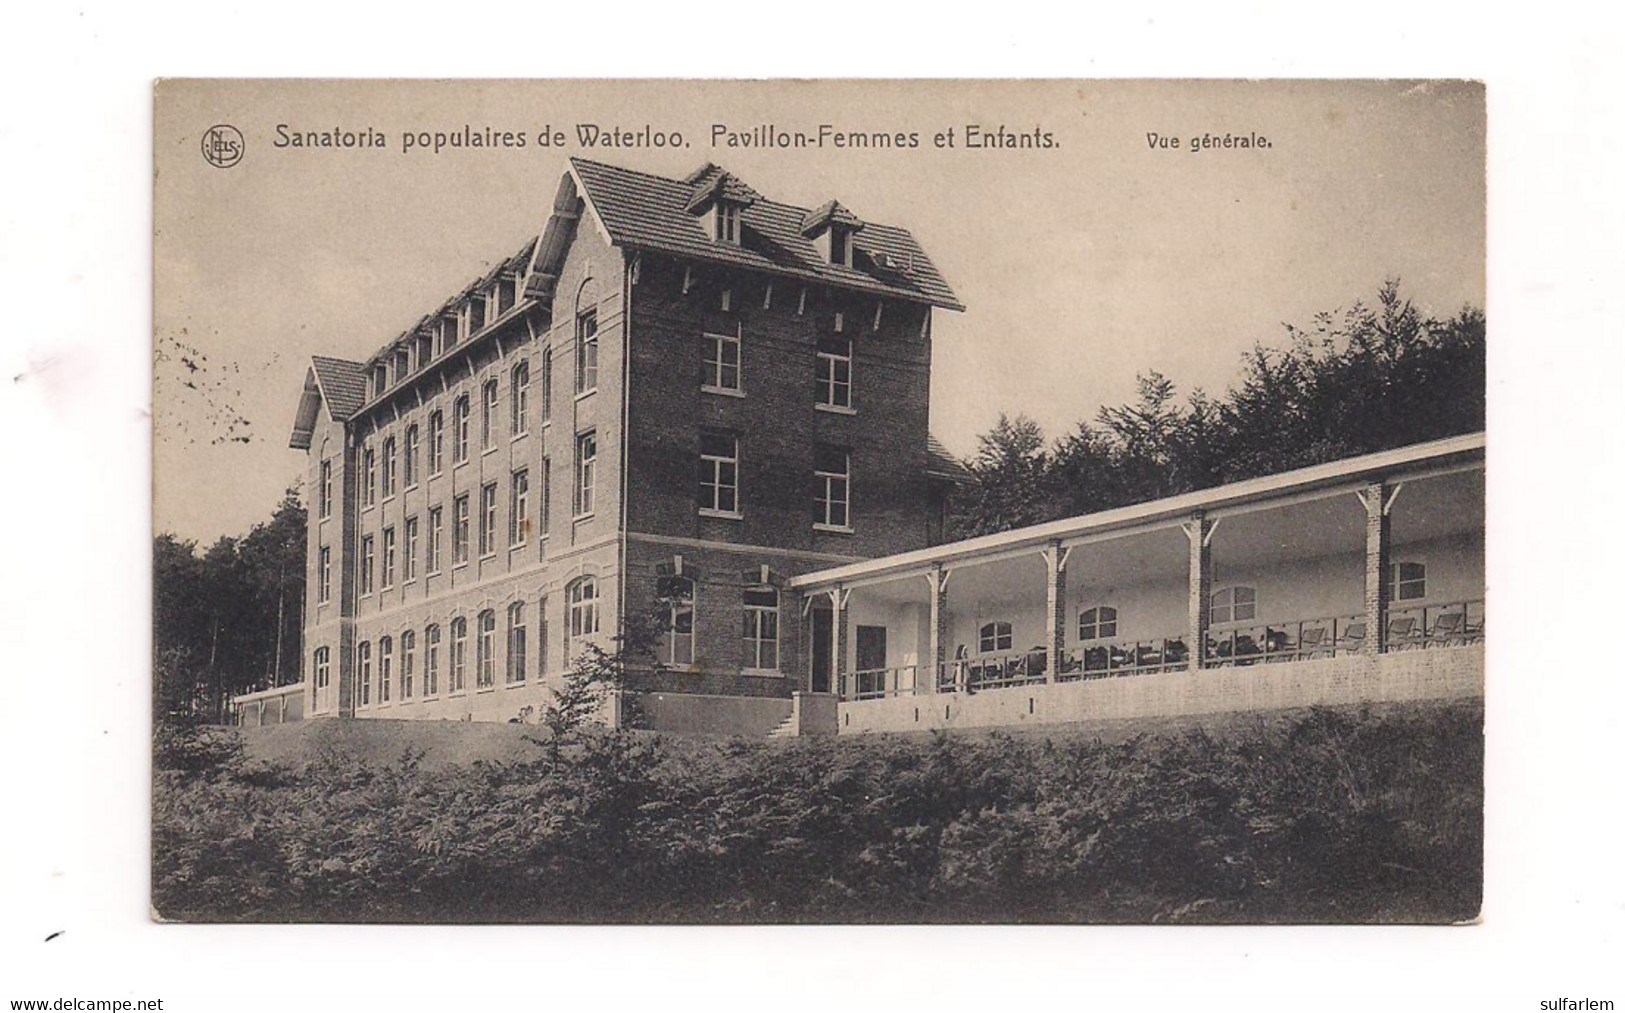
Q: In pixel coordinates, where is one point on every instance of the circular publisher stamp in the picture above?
(223, 145)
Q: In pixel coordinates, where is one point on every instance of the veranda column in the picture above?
(837, 634)
(1055, 599)
(1377, 498)
(937, 644)
(1199, 529)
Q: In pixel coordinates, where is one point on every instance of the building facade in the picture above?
(675, 399)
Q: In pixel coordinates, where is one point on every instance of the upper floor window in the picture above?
(459, 529)
(460, 424)
(437, 527)
(389, 558)
(388, 470)
(424, 346)
(488, 518)
(728, 214)
(459, 656)
(834, 373)
(519, 508)
(719, 474)
(409, 549)
(994, 638)
(586, 472)
(587, 352)
(448, 333)
(520, 422)
(1407, 581)
(677, 595)
(488, 416)
(762, 629)
(476, 315)
(516, 642)
(722, 362)
(581, 603)
(324, 490)
(403, 364)
(1098, 623)
(547, 385)
(485, 674)
(507, 290)
(369, 477)
(832, 475)
(436, 451)
(324, 574)
(545, 507)
(409, 457)
(366, 564)
(1233, 605)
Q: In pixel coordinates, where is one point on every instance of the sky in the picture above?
(1081, 264)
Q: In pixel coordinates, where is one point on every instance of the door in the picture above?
(871, 660)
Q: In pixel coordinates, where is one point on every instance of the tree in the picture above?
(1010, 464)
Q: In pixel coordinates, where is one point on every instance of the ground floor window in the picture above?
(431, 660)
(1233, 605)
(995, 637)
(677, 597)
(516, 642)
(386, 662)
(363, 674)
(408, 647)
(762, 629)
(581, 602)
(1407, 581)
(486, 647)
(459, 655)
(1098, 623)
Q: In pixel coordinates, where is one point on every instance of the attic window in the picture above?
(728, 222)
(840, 246)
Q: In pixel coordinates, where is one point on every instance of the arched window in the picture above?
(676, 596)
(762, 628)
(459, 435)
(485, 674)
(363, 674)
(431, 660)
(488, 416)
(409, 457)
(323, 668)
(389, 467)
(386, 666)
(1098, 623)
(994, 637)
(409, 642)
(459, 655)
(1407, 581)
(1233, 605)
(581, 599)
(436, 451)
(516, 642)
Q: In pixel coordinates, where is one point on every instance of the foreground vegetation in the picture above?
(1328, 816)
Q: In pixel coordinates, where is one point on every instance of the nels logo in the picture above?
(223, 146)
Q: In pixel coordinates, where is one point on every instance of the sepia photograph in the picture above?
(803, 502)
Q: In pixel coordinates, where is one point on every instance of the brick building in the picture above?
(678, 397)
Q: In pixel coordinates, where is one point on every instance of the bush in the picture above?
(1331, 816)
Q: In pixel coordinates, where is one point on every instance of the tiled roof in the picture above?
(832, 211)
(343, 383)
(641, 210)
(939, 463)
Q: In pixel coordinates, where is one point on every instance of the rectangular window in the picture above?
(586, 471)
(547, 385)
(409, 549)
(762, 629)
(719, 474)
(488, 518)
(834, 373)
(520, 423)
(448, 333)
(389, 467)
(324, 494)
(369, 477)
(722, 362)
(506, 289)
(460, 424)
(587, 352)
(476, 315)
(545, 508)
(727, 222)
(832, 478)
(488, 416)
(519, 508)
(389, 558)
(437, 442)
(437, 528)
(324, 575)
(677, 594)
(516, 642)
(366, 564)
(459, 530)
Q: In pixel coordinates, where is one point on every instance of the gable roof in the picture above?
(343, 384)
(939, 463)
(644, 211)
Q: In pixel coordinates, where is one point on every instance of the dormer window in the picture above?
(403, 364)
(380, 381)
(728, 222)
(831, 229)
(476, 315)
(448, 333)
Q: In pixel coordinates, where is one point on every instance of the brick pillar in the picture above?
(937, 645)
(1055, 613)
(837, 628)
(1375, 497)
(1199, 529)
